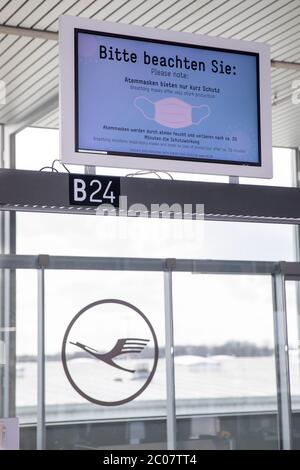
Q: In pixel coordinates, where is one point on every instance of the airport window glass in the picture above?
(243, 303)
(62, 234)
(224, 361)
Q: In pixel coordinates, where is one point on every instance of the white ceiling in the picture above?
(29, 66)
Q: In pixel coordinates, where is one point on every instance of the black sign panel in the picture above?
(94, 190)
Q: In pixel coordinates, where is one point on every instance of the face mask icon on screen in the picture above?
(171, 112)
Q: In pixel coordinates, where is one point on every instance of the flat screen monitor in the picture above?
(142, 98)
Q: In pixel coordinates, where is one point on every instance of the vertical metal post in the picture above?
(233, 180)
(2, 284)
(8, 285)
(9, 301)
(41, 422)
(90, 170)
(169, 353)
(296, 182)
(282, 363)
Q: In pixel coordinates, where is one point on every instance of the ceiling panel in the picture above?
(126, 9)
(11, 8)
(11, 52)
(50, 120)
(20, 14)
(238, 15)
(29, 66)
(134, 17)
(42, 18)
(271, 21)
(250, 17)
(29, 75)
(6, 42)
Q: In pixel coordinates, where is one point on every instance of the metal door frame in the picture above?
(279, 272)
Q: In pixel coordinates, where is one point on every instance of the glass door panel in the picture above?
(105, 367)
(226, 395)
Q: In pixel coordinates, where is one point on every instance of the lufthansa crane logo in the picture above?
(103, 363)
(122, 346)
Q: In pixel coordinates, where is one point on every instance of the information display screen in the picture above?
(165, 100)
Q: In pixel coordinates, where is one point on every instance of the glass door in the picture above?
(225, 370)
(105, 378)
(104, 365)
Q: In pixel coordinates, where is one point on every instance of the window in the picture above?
(222, 322)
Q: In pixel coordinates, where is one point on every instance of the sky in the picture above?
(211, 309)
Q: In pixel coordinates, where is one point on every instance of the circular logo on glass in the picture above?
(110, 352)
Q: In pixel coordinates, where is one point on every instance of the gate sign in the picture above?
(93, 190)
(144, 98)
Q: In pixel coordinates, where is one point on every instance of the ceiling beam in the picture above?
(281, 64)
(32, 33)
